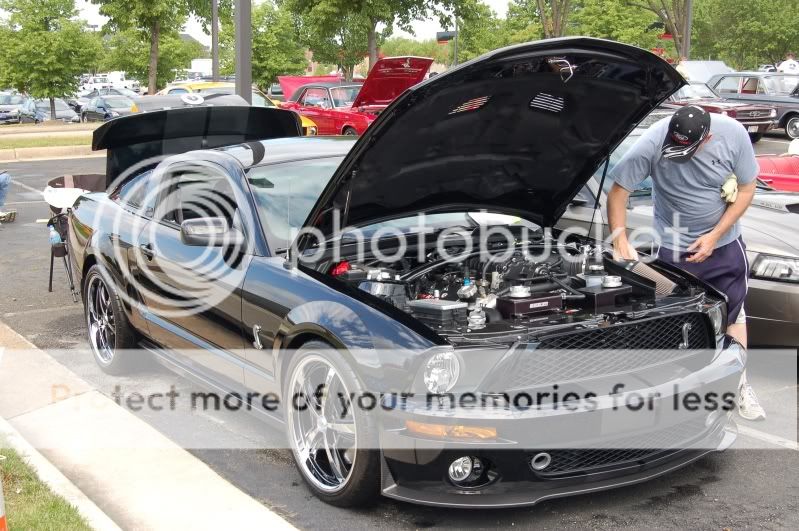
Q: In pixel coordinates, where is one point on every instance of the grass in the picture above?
(30, 505)
(46, 141)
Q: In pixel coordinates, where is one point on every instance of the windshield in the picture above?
(344, 96)
(10, 99)
(118, 103)
(780, 85)
(45, 104)
(695, 92)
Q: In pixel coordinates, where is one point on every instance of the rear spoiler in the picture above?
(132, 140)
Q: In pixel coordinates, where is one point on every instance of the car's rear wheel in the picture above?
(755, 137)
(350, 131)
(792, 127)
(110, 335)
(334, 443)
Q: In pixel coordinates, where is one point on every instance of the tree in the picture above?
(127, 51)
(615, 20)
(673, 14)
(399, 46)
(150, 19)
(44, 50)
(480, 32)
(276, 47)
(746, 33)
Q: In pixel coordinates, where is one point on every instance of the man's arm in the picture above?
(705, 244)
(617, 219)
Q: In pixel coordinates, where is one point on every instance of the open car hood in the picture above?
(519, 131)
(389, 78)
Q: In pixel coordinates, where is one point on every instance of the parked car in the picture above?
(82, 99)
(35, 111)
(259, 99)
(780, 172)
(780, 91)
(275, 92)
(769, 231)
(756, 118)
(96, 82)
(103, 108)
(293, 322)
(10, 107)
(349, 108)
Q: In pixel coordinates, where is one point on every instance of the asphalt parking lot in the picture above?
(740, 488)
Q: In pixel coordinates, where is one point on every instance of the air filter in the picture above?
(663, 286)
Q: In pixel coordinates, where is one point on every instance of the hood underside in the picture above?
(389, 78)
(519, 130)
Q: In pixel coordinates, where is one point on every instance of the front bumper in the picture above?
(415, 468)
(758, 126)
(9, 118)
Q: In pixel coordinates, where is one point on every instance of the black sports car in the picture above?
(235, 250)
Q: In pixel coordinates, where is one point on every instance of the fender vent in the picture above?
(471, 105)
(547, 102)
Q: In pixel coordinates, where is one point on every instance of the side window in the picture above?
(195, 191)
(750, 86)
(136, 193)
(727, 85)
(178, 91)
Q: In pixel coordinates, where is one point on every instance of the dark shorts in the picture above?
(727, 270)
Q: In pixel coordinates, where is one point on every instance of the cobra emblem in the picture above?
(686, 327)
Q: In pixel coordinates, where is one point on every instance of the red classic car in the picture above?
(756, 118)
(342, 108)
(781, 172)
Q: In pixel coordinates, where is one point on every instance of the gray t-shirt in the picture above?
(687, 196)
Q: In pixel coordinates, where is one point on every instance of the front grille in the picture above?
(753, 114)
(633, 450)
(616, 349)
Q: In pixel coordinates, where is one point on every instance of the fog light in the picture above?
(540, 461)
(465, 469)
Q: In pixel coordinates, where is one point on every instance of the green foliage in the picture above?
(522, 23)
(276, 47)
(480, 32)
(44, 51)
(745, 33)
(616, 20)
(399, 46)
(128, 50)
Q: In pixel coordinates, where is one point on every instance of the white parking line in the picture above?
(767, 437)
(26, 202)
(26, 187)
(775, 141)
(42, 310)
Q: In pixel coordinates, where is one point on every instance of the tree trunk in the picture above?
(348, 71)
(52, 108)
(152, 81)
(372, 43)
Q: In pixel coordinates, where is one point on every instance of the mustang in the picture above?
(349, 108)
(195, 255)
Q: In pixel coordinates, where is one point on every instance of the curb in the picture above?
(54, 152)
(54, 479)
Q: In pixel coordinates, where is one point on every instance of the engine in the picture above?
(505, 293)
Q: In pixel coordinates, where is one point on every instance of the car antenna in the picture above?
(598, 195)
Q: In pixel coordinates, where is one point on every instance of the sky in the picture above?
(424, 30)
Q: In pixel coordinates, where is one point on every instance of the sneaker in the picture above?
(8, 217)
(748, 406)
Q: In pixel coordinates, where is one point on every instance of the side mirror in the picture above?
(210, 232)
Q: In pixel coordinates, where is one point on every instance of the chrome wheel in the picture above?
(792, 127)
(321, 424)
(100, 320)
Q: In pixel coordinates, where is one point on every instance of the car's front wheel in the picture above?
(334, 444)
(792, 127)
(350, 131)
(110, 335)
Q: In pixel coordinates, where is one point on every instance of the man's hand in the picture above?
(623, 250)
(703, 246)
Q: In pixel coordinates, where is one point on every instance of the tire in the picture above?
(792, 127)
(755, 137)
(111, 340)
(350, 131)
(83, 118)
(358, 482)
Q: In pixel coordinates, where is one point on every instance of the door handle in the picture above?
(147, 250)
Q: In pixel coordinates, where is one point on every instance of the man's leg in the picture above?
(5, 182)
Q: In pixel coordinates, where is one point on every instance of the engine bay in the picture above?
(521, 291)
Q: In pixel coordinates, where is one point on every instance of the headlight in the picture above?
(773, 113)
(114, 114)
(441, 372)
(716, 315)
(779, 268)
(13, 112)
